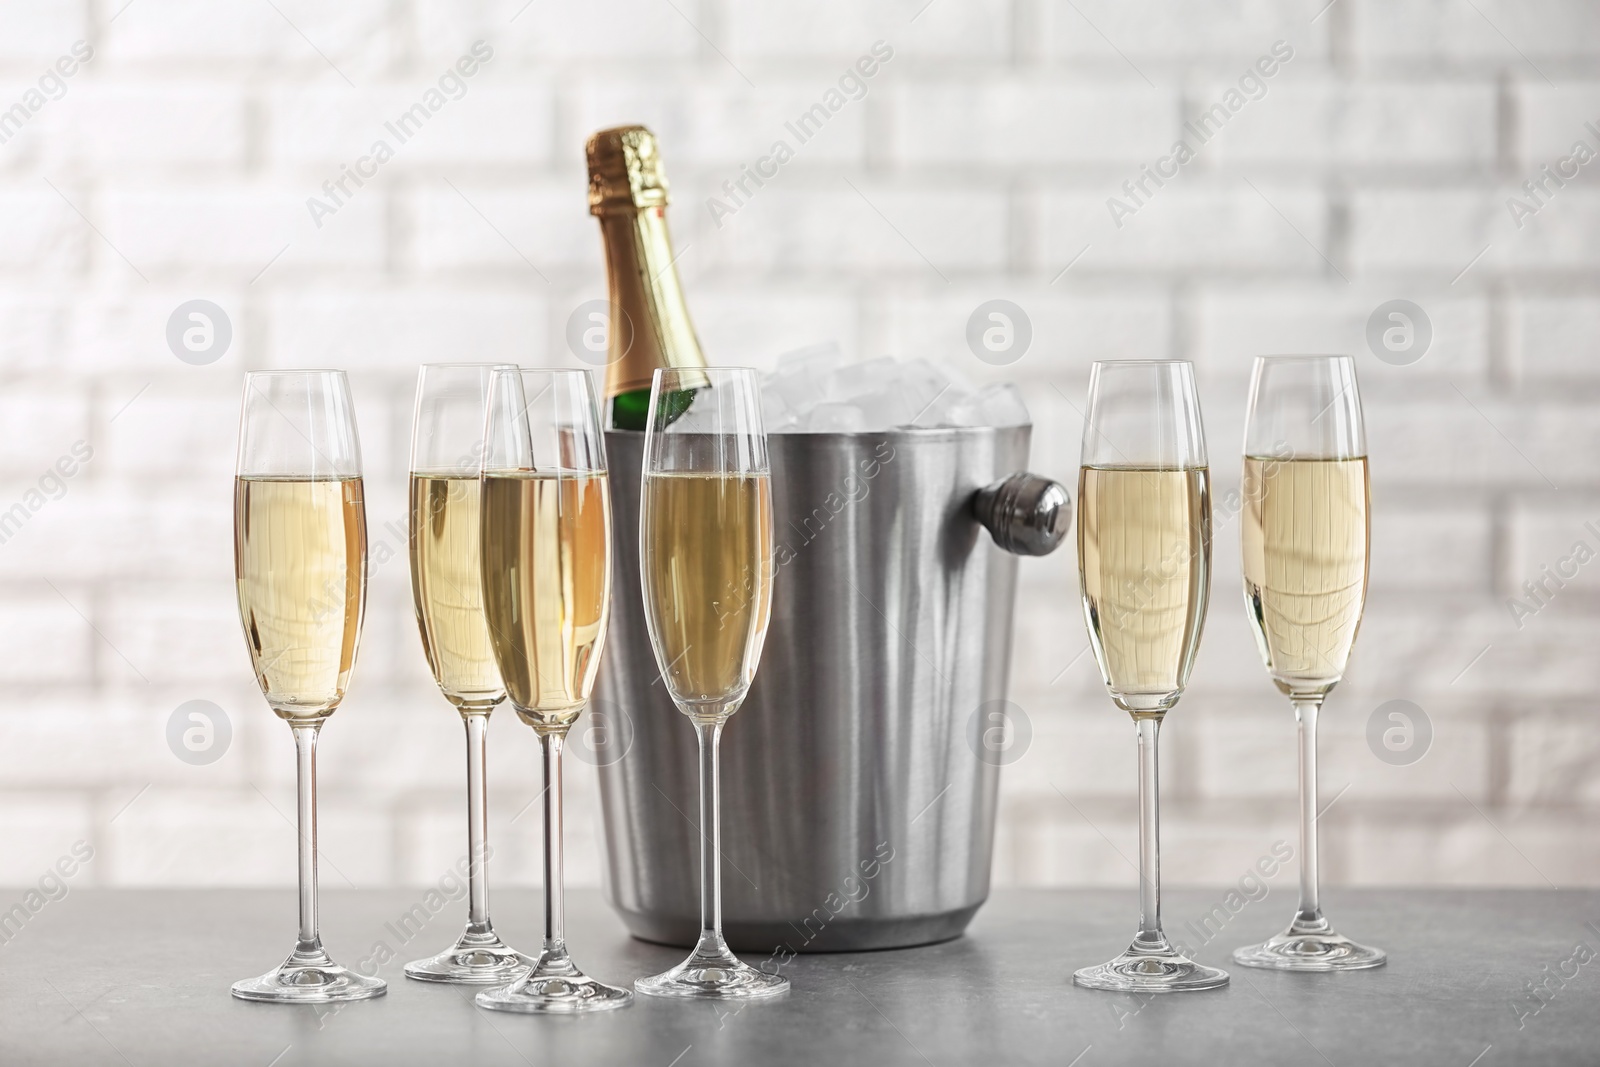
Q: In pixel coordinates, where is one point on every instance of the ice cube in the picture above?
(829, 417)
(776, 414)
(796, 392)
(923, 381)
(1002, 405)
(919, 385)
(881, 411)
(845, 384)
(964, 411)
(943, 410)
(815, 390)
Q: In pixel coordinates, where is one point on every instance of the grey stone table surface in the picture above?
(141, 977)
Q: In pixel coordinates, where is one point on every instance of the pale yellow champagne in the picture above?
(1305, 536)
(1144, 563)
(446, 588)
(546, 543)
(300, 556)
(706, 558)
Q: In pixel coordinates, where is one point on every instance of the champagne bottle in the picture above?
(649, 324)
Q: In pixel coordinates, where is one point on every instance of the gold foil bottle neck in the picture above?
(650, 325)
(625, 171)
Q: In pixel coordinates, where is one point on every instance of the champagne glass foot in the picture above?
(716, 977)
(1162, 971)
(555, 986)
(476, 959)
(310, 978)
(1310, 950)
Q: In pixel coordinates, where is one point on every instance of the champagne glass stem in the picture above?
(1305, 712)
(710, 737)
(555, 938)
(477, 724)
(305, 746)
(1150, 933)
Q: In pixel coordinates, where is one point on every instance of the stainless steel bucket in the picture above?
(857, 812)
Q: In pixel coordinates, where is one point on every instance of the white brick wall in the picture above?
(1376, 166)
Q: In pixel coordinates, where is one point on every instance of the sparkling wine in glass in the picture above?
(1305, 533)
(1144, 563)
(447, 591)
(545, 544)
(300, 558)
(705, 549)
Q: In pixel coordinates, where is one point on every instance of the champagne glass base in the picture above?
(1151, 972)
(713, 978)
(1323, 950)
(309, 978)
(476, 959)
(555, 986)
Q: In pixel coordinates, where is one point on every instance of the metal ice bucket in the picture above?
(856, 810)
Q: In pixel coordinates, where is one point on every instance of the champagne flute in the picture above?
(705, 533)
(1144, 564)
(447, 590)
(300, 556)
(546, 572)
(1305, 533)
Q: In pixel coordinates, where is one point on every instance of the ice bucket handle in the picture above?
(1027, 514)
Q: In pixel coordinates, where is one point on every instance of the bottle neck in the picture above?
(650, 325)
